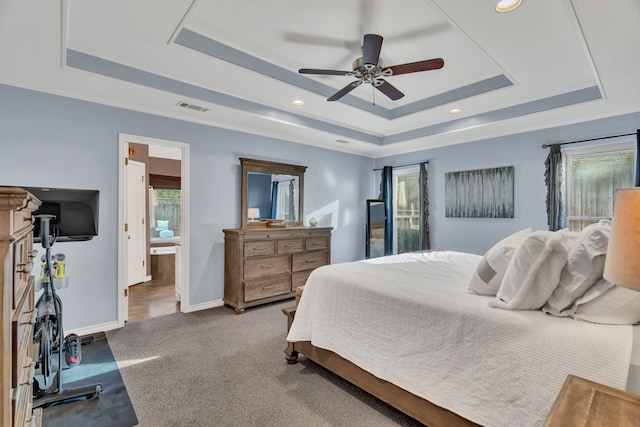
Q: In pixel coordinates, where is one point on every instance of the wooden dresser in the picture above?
(18, 307)
(267, 264)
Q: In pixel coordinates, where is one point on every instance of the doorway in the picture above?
(152, 181)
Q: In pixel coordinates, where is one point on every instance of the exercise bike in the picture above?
(48, 331)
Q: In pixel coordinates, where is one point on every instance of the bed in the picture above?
(407, 329)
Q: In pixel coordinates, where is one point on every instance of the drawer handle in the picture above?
(267, 266)
(32, 372)
(259, 249)
(310, 260)
(33, 253)
(289, 246)
(268, 287)
(32, 317)
(316, 243)
(24, 267)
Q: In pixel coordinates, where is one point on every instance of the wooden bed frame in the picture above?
(416, 407)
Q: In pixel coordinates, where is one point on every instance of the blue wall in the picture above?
(54, 141)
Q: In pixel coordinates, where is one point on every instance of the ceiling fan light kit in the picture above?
(368, 69)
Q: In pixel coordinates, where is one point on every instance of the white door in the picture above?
(136, 229)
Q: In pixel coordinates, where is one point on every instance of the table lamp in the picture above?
(253, 213)
(622, 265)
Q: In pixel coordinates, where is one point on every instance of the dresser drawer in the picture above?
(290, 245)
(22, 334)
(320, 242)
(259, 248)
(22, 264)
(21, 219)
(299, 278)
(264, 288)
(22, 405)
(309, 260)
(266, 266)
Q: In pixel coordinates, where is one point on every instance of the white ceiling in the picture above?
(548, 63)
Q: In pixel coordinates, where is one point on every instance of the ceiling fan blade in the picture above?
(345, 90)
(414, 67)
(389, 90)
(371, 49)
(324, 72)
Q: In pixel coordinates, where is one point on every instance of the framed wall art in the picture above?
(481, 193)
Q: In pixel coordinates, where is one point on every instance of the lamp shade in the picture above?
(253, 213)
(622, 265)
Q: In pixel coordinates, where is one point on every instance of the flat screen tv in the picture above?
(75, 210)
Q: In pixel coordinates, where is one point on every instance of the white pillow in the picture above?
(609, 304)
(488, 275)
(533, 273)
(584, 268)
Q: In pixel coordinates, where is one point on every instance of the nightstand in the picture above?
(583, 403)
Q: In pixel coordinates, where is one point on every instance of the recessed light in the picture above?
(504, 6)
(298, 103)
(455, 111)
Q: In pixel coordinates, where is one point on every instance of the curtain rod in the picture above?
(401, 166)
(587, 140)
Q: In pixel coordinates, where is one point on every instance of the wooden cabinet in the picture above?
(18, 307)
(267, 264)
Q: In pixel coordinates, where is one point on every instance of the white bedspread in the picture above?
(413, 323)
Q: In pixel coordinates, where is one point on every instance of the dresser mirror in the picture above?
(271, 190)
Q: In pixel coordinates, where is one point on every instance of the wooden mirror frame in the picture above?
(263, 166)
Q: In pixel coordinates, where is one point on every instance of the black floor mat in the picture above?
(112, 409)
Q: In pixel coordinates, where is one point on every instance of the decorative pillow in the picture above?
(609, 304)
(162, 224)
(533, 273)
(584, 268)
(489, 273)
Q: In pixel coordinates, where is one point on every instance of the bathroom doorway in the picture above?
(163, 286)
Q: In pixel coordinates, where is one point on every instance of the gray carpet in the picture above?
(112, 409)
(216, 368)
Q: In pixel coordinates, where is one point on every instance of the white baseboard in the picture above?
(114, 325)
(203, 306)
(93, 329)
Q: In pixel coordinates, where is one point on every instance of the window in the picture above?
(166, 213)
(406, 210)
(592, 176)
(285, 199)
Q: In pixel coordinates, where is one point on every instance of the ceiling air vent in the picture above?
(192, 106)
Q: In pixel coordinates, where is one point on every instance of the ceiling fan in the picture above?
(367, 69)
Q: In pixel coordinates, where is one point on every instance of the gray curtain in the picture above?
(274, 199)
(386, 194)
(425, 243)
(554, 179)
(292, 198)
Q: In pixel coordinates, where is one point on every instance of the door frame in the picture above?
(123, 141)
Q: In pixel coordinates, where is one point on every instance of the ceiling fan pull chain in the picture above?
(373, 92)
